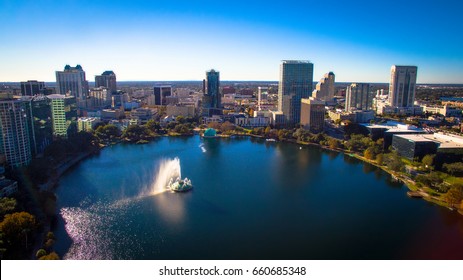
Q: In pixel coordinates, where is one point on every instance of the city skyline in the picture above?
(144, 41)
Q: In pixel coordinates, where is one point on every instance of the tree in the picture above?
(358, 142)
(50, 235)
(40, 253)
(17, 229)
(333, 143)
(214, 125)
(380, 158)
(7, 205)
(428, 161)
(153, 126)
(51, 256)
(301, 135)
(267, 131)
(395, 163)
(454, 168)
(135, 133)
(180, 119)
(108, 132)
(227, 126)
(454, 195)
(183, 129)
(318, 138)
(258, 131)
(429, 180)
(435, 179)
(369, 153)
(284, 134)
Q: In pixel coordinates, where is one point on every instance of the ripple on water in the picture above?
(97, 233)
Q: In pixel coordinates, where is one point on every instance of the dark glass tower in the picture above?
(296, 79)
(212, 100)
(107, 80)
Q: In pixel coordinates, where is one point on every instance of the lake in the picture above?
(251, 199)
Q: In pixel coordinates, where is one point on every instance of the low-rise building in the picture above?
(112, 114)
(180, 110)
(313, 114)
(87, 124)
(390, 128)
(383, 108)
(445, 110)
(341, 115)
(448, 148)
(143, 114)
(214, 118)
(252, 122)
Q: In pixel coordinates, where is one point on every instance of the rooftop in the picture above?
(445, 141)
(296, 61)
(56, 96)
(392, 126)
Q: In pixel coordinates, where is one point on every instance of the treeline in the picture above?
(434, 94)
(18, 231)
(445, 185)
(109, 133)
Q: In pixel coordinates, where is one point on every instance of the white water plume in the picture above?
(168, 169)
(202, 148)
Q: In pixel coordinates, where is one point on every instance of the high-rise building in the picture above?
(325, 88)
(72, 81)
(211, 102)
(358, 97)
(15, 131)
(261, 92)
(100, 98)
(296, 78)
(402, 86)
(42, 124)
(313, 114)
(161, 92)
(107, 80)
(31, 88)
(64, 115)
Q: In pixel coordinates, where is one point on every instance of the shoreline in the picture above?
(50, 186)
(414, 191)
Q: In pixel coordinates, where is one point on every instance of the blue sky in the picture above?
(244, 40)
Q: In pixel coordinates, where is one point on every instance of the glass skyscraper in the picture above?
(211, 102)
(296, 79)
(15, 132)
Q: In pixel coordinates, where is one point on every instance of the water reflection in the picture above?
(368, 168)
(351, 160)
(332, 154)
(211, 147)
(171, 207)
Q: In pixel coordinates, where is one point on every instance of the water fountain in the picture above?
(168, 169)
